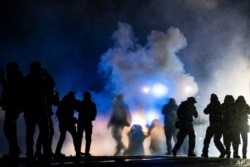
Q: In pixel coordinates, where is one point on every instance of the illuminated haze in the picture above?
(147, 75)
(161, 49)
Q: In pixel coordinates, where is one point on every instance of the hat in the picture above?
(191, 99)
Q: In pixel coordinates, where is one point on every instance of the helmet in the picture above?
(214, 97)
(12, 66)
(241, 98)
(87, 95)
(35, 66)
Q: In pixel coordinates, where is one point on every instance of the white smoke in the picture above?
(147, 74)
(130, 67)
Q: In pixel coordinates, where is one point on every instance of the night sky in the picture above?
(105, 46)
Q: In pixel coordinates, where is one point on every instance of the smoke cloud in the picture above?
(131, 68)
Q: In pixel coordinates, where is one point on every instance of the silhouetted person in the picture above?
(157, 138)
(12, 104)
(39, 142)
(39, 87)
(213, 109)
(54, 100)
(135, 141)
(185, 114)
(230, 132)
(120, 117)
(87, 114)
(51, 99)
(243, 110)
(67, 121)
(169, 111)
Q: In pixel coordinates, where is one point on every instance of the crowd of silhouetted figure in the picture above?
(228, 125)
(35, 94)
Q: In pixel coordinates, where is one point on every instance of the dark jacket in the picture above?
(215, 113)
(65, 110)
(87, 111)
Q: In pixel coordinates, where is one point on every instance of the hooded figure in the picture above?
(169, 111)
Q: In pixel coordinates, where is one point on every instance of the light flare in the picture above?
(187, 89)
(145, 90)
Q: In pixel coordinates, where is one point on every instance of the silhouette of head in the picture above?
(172, 101)
(12, 67)
(136, 128)
(87, 95)
(241, 99)
(35, 67)
(229, 99)
(155, 122)
(191, 100)
(71, 94)
(213, 97)
(119, 97)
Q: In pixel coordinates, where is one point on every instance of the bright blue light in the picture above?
(159, 90)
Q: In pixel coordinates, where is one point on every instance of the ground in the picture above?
(134, 161)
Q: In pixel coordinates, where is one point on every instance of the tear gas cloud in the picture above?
(147, 75)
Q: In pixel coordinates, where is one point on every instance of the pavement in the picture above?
(130, 161)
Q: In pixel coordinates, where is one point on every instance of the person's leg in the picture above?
(80, 130)
(236, 142)
(245, 143)
(227, 142)
(43, 125)
(169, 134)
(117, 135)
(208, 136)
(88, 135)
(218, 143)
(39, 143)
(59, 145)
(51, 134)
(180, 138)
(30, 130)
(73, 132)
(191, 135)
(10, 131)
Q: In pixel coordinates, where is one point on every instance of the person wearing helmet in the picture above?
(243, 110)
(87, 113)
(67, 122)
(185, 114)
(231, 135)
(39, 85)
(213, 109)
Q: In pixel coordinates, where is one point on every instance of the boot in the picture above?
(191, 154)
(235, 148)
